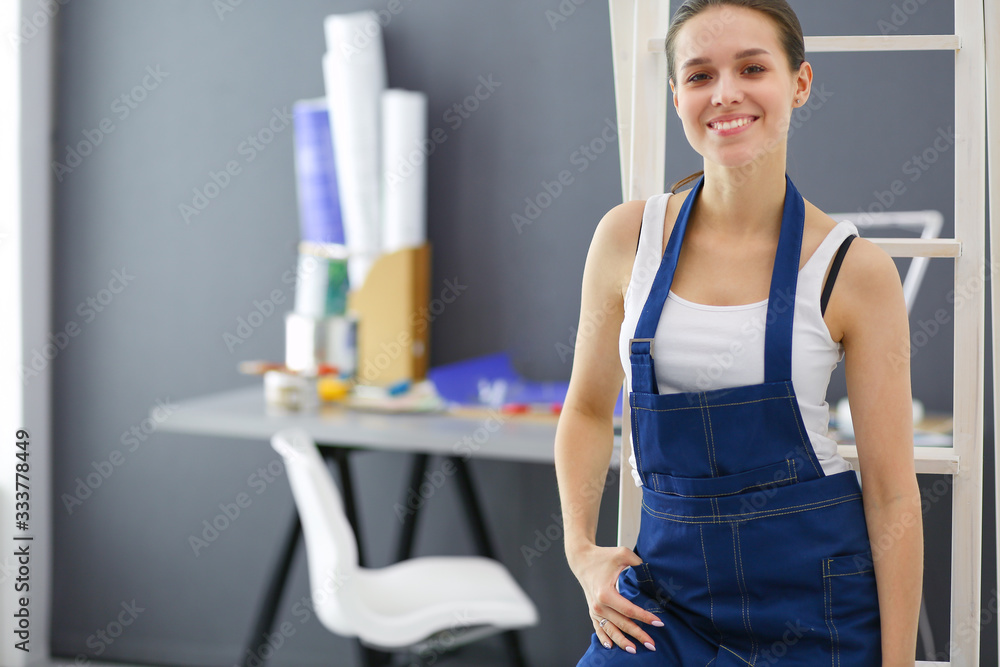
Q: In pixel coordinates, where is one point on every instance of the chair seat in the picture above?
(405, 603)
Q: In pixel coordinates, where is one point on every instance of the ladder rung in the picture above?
(926, 460)
(832, 43)
(919, 247)
(826, 44)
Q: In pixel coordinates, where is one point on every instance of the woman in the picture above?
(756, 539)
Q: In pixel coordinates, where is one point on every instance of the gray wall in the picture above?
(161, 337)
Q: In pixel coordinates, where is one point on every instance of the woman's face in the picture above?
(734, 90)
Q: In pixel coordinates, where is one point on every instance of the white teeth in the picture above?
(728, 125)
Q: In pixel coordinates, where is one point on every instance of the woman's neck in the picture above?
(743, 202)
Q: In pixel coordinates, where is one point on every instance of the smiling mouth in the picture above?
(734, 124)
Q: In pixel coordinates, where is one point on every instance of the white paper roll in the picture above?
(355, 76)
(404, 169)
(303, 342)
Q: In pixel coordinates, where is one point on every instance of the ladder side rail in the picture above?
(992, 27)
(623, 52)
(646, 178)
(969, 371)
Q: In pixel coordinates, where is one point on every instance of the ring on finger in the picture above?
(602, 622)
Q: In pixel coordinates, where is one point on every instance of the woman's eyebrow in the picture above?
(745, 53)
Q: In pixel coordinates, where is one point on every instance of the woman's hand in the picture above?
(597, 569)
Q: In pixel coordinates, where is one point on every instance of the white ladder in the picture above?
(638, 30)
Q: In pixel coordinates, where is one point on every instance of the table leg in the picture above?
(472, 509)
(272, 596)
(478, 524)
(410, 519)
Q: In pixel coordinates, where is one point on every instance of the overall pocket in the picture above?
(850, 601)
(769, 476)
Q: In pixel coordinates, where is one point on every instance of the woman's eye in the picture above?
(694, 77)
(753, 69)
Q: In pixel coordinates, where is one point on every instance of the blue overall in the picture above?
(752, 555)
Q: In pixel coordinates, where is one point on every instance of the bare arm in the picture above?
(585, 437)
(877, 351)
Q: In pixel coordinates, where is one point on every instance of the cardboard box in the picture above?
(393, 323)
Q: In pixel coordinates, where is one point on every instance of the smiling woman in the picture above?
(755, 540)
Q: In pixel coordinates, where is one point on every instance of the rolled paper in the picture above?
(303, 342)
(316, 174)
(340, 343)
(404, 169)
(311, 286)
(355, 75)
(321, 283)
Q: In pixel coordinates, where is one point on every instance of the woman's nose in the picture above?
(727, 90)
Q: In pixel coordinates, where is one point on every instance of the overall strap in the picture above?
(784, 279)
(781, 297)
(641, 345)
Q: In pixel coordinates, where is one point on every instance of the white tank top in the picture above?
(701, 347)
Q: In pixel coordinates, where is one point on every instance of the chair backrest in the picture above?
(331, 546)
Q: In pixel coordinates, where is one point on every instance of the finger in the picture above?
(614, 633)
(624, 606)
(627, 629)
(601, 635)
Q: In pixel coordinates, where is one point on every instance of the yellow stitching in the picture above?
(719, 405)
(711, 437)
(827, 612)
(807, 447)
(742, 581)
(845, 574)
(708, 583)
(832, 622)
(645, 571)
(656, 476)
(635, 442)
(681, 518)
(736, 654)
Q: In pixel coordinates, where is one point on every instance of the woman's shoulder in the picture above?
(618, 230)
(613, 248)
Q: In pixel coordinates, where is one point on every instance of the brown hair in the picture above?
(785, 20)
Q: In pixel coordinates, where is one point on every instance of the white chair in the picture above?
(421, 605)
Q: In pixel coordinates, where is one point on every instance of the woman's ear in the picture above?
(803, 83)
(673, 91)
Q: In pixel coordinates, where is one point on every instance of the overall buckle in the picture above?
(640, 340)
